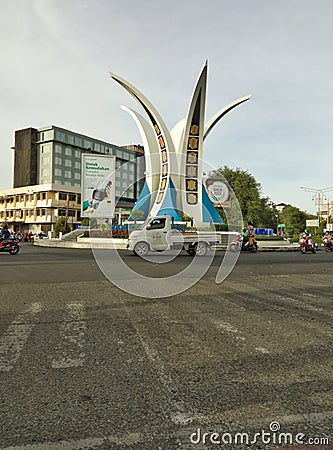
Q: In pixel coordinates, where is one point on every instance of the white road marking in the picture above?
(72, 332)
(262, 350)
(301, 304)
(227, 327)
(17, 334)
(178, 414)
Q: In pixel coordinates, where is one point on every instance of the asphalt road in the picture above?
(85, 365)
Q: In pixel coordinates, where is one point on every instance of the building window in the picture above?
(78, 165)
(77, 176)
(58, 172)
(46, 148)
(70, 139)
(68, 163)
(45, 160)
(78, 154)
(68, 174)
(58, 160)
(78, 141)
(87, 144)
(45, 172)
(59, 136)
(62, 196)
(65, 212)
(45, 135)
(58, 148)
(68, 151)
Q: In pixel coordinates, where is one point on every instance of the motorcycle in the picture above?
(328, 245)
(239, 244)
(306, 244)
(10, 245)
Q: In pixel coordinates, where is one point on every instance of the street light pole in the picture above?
(277, 224)
(319, 196)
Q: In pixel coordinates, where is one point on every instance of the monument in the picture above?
(174, 173)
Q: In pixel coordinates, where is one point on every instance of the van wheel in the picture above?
(190, 250)
(141, 249)
(200, 249)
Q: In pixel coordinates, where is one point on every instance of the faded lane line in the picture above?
(228, 328)
(72, 331)
(11, 345)
(262, 350)
(179, 414)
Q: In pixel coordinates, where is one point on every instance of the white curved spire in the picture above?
(222, 112)
(163, 139)
(151, 154)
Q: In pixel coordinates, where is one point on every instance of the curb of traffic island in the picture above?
(57, 243)
(275, 248)
(121, 244)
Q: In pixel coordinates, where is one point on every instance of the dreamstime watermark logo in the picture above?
(263, 437)
(128, 279)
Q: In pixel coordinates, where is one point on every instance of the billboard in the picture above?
(312, 223)
(217, 190)
(98, 186)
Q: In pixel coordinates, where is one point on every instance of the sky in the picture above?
(56, 55)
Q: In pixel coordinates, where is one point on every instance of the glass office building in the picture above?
(52, 155)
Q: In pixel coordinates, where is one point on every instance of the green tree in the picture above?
(61, 227)
(295, 219)
(137, 214)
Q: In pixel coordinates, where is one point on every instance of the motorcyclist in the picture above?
(245, 236)
(251, 233)
(327, 238)
(4, 233)
(308, 236)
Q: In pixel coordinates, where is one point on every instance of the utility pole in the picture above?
(319, 197)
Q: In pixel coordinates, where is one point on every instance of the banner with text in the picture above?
(98, 186)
